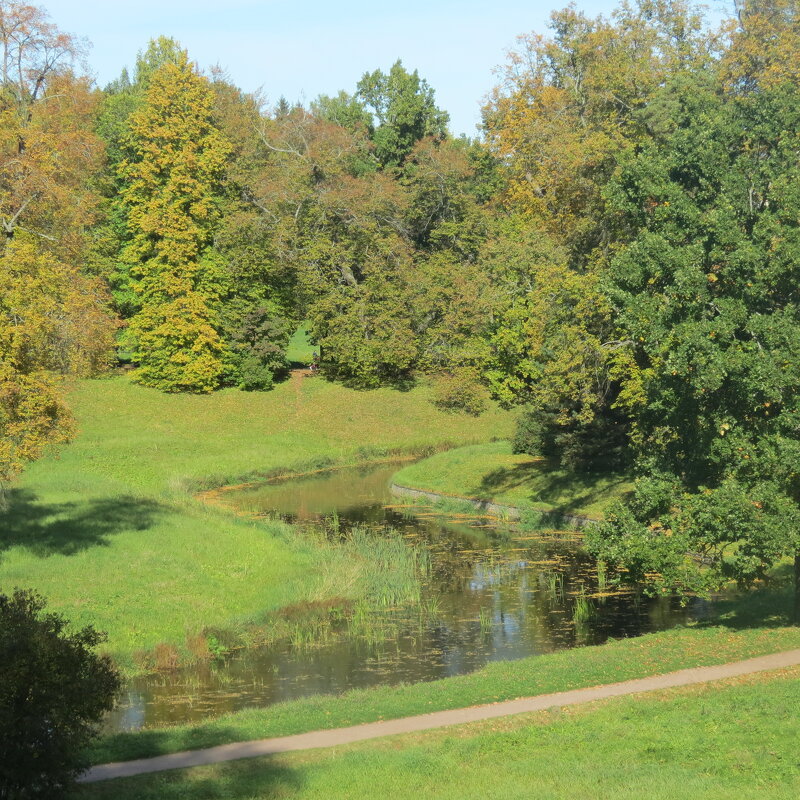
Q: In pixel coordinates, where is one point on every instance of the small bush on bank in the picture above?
(461, 390)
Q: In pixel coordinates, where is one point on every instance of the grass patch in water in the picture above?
(379, 569)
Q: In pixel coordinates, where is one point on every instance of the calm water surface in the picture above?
(491, 595)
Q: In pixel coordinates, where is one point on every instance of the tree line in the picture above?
(617, 253)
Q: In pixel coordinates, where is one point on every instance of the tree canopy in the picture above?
(616, 254)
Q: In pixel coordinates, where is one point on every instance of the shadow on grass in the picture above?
(549, 484)
(67, 528)
(243, 779)
(769, 607)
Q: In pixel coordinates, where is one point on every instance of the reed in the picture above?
(583, 609)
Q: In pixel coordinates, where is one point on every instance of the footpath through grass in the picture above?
(491, 472)
(731, 640)
(107, 530)
(723, 741)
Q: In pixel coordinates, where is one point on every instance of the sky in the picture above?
(305, 48)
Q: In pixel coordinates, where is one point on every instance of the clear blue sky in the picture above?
(305, 48)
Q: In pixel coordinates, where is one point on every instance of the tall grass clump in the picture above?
(583, 610)
(378, 566)
(554, 586)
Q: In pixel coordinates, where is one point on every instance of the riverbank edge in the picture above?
(617, 660)
(773, 662)
(196, 487)
(499, 510)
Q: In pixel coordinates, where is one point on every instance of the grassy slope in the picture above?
(493, 472)
(107, 532)
(735, 636)
(722, 741)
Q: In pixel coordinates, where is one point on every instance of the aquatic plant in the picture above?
(485, 619)
(583, 610)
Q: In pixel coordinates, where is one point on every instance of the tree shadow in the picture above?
(263, 776)
(47, 529)
(552, 484)
(767, 607)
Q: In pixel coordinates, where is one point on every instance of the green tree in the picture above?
(706, 293)
(404, 111)
(171, 197)
(570, 108)
(54, 693)
(110, 234)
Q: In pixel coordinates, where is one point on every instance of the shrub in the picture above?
(600, 444)
(259, 339)
(54, 691)
(461, 390)
(529, 433)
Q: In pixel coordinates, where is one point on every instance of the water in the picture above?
(491, 595)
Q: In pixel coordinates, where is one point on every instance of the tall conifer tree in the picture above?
(171, 192)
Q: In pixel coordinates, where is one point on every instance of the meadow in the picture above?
(108, 530)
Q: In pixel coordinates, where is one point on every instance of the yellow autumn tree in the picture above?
(171, 196)
(53, 322)
(53, 317)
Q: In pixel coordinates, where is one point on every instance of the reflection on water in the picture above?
(491, 596)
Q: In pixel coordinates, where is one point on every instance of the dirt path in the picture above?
(437, 719)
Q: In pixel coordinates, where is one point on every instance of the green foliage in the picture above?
(344, 110)
(404, 109)
(259, 340)
(707, 303)
(528, 433)
(461, 390)
(53, 695)
(177, 163)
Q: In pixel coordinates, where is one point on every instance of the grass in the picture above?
(723, 741)
(730, 639)
(300, 350)
(491, 472)
(107, 530)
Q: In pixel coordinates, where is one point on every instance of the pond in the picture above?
(491, 594)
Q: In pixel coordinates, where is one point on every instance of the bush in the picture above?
(461, 390)
(584, 447)
(529, 434)
(255, 375)
(259, 339)
(54, 691)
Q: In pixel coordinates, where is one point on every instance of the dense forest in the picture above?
(619, 253)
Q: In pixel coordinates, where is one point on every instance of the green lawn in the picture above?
(107, 531)
(300, 350)
(492, 472)
(722, 741)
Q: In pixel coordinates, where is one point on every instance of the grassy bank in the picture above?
(106, 530)
(731, 739)
(492, 473)
(736, 636)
